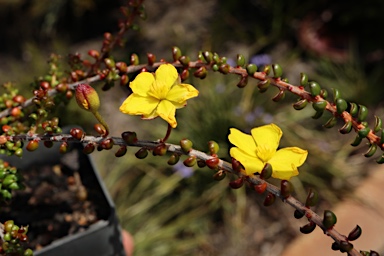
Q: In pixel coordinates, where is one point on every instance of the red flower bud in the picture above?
(87, 97)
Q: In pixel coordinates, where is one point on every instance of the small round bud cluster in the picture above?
(10, 180)
(15, 240)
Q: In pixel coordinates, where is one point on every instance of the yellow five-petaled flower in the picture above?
(158, 94)
(255, 150)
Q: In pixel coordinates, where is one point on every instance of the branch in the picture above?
(222, 165)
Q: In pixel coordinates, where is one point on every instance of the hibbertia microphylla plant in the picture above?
(158, 90)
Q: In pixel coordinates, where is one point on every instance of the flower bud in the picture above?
(286, 189)
(299, 105)
(76, 133)
(378, 124)
(329, 219)
(346, 128)
(174, 159)
(277, 70)
(213, 147)
(303, 79)
(251, 69)
(279, 96)
(371, 151)
(212, 163)
(363, 132)
(312, 198)
(184, 75)
(308, 228)
(355, 233)
(353, 109)
(129, 137)
(319, 105)
(240, 60)
(94, 54)
(219, 175)
(207, 56)
(224, 69)
(110, 63)
(260, 188)
(298, 214)
(176, 53)
(184, 60)
(243, 82)
(341, 105)
(87, 97)
(345, 246)
(134, 59)
(186, 145)
(266, 173)
(263, 85)
(200, 72)
(32, 145)
(63, 148)
(121, 151)
(122, 67)
(314, 88)
(201, 163)
(160, 150)
(151, 58)
(362, 114)
(190, 161)
(269, 199)
(141, 153)
(238, 183)
(89, 148)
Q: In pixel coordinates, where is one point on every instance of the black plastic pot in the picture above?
(103, 238)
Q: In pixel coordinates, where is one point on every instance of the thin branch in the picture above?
(172, 148)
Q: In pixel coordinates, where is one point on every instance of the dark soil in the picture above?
(61, 198)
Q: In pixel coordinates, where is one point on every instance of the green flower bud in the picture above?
(279, 96)
(251, 69)
(346, 128)
(134, 59)
(216, 58)
(240, 60)
(303, 79)
(331, 122)
(323, 93)
(312, 198)
(160, 150)
(314, 88)
(319, 105)
(357, 141)
(174, 159)
(341, 105)
(213, 147)
(224, 69)
(336, 94)
(87, 97)
(355, 233)
(362, 114)
(176, 53)
(63, 148)
(299, 105)
(190, 161)
(110, 63)
(277, 70)
(308, 228)
(371, 151)
(267, 69)
(141, 153)
(378, 124)
(122, 67)
(329, 219)
(201, 72)
(186, 145)
(10, 178)
(263, 85)
(363, 132)
(207, 56)
(184, 60)
(269, 199)
(318, 114)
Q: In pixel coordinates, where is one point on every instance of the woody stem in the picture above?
(169, 130)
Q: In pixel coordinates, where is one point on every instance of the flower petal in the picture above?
(267, 135)
(167, 110)
(251, 164)
(167, 75)
(179, 93)
(243, 141)
(138, 105)
(142, 83)
(285, 162)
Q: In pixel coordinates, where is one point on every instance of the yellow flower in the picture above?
(254, 151)
(158, 94)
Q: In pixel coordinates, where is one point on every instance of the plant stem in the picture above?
(169, 130)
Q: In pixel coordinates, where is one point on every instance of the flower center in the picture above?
(265, 152)
(158, 90)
